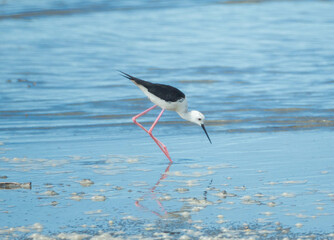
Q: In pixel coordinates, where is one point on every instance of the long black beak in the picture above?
(202, 125)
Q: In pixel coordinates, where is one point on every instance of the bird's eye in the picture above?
(199, 119)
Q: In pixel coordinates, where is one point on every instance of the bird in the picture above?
(167, 98)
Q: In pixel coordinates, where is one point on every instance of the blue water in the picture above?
(262, 73)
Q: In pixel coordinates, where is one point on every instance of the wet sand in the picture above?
(256, 185)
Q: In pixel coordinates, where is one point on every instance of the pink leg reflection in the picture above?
(153, 196)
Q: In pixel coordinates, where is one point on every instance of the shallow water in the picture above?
(261, 72)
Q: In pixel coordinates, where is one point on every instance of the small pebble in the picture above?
(130, 218)
(298, 225)
(181, 190)
(132, 160)
(86, 182)
(267, 213)
(76, 197)
(75, 236)
(37, 227)
(94, 212)
(196, 209)
(184, 237)
(259, 195)
(98, 198)
(285, 194)
(50, 193)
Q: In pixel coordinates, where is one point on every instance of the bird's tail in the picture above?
(132, 78)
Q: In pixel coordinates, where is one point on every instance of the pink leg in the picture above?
(160, 144)
(134, 119)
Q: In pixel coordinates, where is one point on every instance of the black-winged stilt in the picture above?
(168, 98)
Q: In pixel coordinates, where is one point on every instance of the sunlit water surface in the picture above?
(261, 72)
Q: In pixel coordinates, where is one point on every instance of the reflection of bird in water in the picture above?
(184, 213)
(168, 98)
(163, 176)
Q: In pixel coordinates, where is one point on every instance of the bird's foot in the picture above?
(161, 146)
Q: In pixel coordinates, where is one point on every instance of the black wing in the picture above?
(165, 92)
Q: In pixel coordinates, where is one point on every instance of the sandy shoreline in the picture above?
(264, 185)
